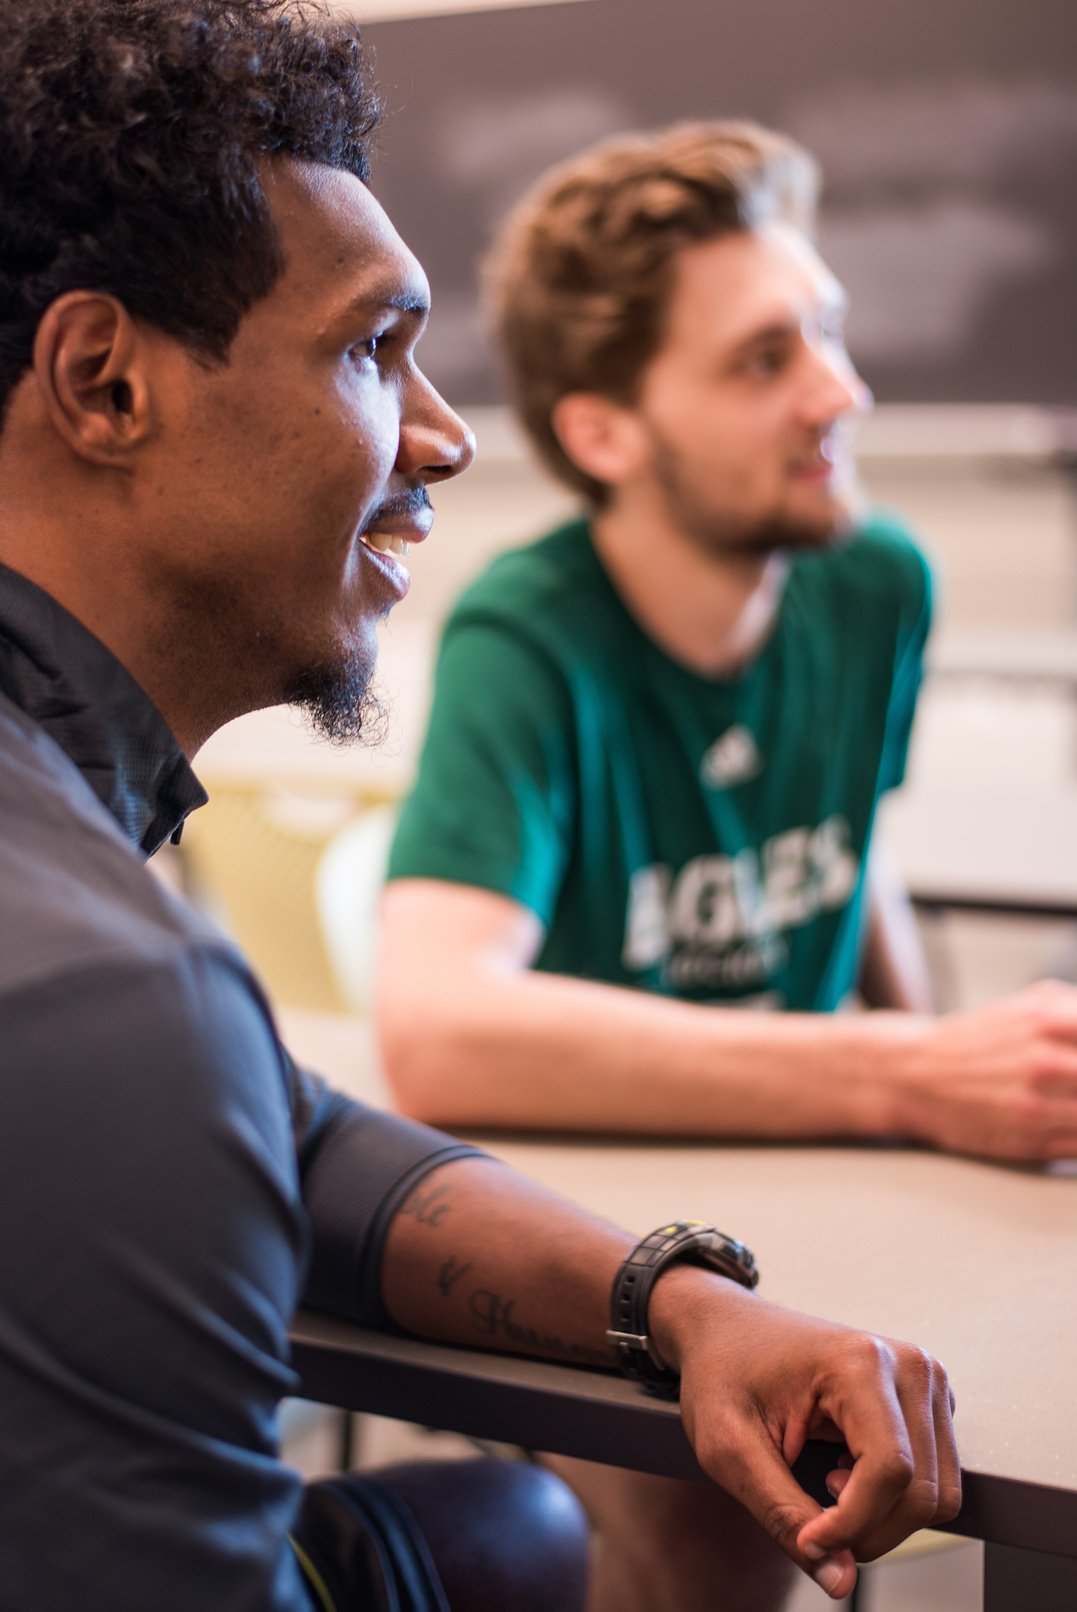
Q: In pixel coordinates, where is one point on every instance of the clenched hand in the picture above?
(758, 1381)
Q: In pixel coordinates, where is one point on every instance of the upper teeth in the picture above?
(386, 543)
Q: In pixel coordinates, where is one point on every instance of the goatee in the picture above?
(340, 702)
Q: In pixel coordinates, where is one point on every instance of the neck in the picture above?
(82, 534)
(712, 612)
(123, 615)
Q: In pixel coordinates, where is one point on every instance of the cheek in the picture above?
(346, 468)
(367, 417)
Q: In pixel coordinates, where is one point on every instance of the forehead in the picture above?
(340, 246)
(728, 289)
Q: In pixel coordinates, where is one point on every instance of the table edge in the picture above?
(516, 1400)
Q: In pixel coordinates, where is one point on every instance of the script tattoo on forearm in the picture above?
(451, 1272)
(427, 1205)
(495, 1316)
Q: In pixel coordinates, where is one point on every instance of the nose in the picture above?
(435, 443)
(837, 389)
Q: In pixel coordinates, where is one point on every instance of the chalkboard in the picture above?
(947, 130)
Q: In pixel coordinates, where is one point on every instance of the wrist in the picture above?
(687, 1302)
(899, 1061)
(678, 1243)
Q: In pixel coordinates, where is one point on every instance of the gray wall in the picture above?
(947, 130)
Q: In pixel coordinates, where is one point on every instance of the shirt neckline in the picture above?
(71, 684)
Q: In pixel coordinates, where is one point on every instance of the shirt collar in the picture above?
(68, 682)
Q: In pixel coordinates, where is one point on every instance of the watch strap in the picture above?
(680, 1242)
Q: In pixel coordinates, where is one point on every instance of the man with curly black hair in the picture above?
(216, 446)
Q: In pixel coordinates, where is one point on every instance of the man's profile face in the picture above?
(747, 404)
(287, 469)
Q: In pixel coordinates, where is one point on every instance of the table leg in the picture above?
(1015, 1580)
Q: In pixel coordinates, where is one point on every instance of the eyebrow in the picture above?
(776, 330)
(384, 297)
(779, 329)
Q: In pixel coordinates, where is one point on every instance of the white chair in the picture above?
(348, 884)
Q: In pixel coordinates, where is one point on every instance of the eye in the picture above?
(766, 361)
(367, 348)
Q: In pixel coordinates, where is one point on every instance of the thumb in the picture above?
(775, 1499)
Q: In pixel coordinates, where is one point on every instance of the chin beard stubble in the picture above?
(716, 533)
(339, 701)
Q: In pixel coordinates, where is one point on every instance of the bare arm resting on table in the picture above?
(472, 1036)
(757, 1381)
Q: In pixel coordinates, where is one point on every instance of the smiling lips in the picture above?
(386, 543)
(830, 458)
(394, 534)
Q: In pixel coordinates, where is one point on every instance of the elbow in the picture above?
(416, 1045)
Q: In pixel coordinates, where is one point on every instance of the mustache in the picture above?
(403, 505)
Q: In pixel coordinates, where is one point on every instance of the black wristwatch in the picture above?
(683, 1242)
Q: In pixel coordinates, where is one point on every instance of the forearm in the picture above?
(473, 1036)
(480, 1257)
(453, 1271)
(530, 1050)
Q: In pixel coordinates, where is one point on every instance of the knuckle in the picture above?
(1042, 1073)
(922, 1501)
(872, 1353)
(949, 1504)
(896, 1468)
(940, 1378)
(917, 1363)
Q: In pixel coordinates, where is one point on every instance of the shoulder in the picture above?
(880, 575)
(513, 640)
(98, 961)
(885, 555)
(77, 892)
(533, 584)
(167, 1031)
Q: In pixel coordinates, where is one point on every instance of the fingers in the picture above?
(889, 1456)
(794, 1378)
(949, 1462)
(764, 1484)
(905, 1472)
(1057, 1001)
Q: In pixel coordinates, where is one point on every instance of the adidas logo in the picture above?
(731, 759)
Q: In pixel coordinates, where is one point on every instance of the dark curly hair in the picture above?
(130, 137)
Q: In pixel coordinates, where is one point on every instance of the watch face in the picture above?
(730, 1258)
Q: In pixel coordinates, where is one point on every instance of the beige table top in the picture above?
(976, 1262)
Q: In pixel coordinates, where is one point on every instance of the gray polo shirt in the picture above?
(172, 1186)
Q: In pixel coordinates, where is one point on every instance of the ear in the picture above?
(605, 439)
(91, 367)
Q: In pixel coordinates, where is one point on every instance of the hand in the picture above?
(757, 1382)
(1001, 1081)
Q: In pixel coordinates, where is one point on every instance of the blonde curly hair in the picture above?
(579, 276)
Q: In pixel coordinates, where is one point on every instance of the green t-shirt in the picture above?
(699, 837)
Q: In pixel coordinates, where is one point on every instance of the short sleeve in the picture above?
(916, 603)
(153, 1246)
(495, 798)
(356, 1166)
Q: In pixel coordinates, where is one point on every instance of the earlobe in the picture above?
(90, 368)
(600, 436)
